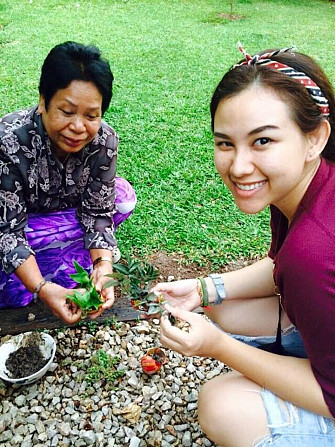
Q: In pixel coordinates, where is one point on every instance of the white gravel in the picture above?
(61, 409)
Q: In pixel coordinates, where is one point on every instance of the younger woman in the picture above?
(273, 120)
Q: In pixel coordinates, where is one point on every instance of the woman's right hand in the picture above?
(182, 294)
(54, 296)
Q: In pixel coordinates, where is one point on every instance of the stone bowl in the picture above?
(48, 349)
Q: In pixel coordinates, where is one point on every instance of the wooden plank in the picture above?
(14, 321)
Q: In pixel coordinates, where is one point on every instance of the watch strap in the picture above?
(219, 287)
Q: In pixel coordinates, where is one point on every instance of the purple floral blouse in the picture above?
(33, 180)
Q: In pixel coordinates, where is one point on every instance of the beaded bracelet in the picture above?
(203, 292)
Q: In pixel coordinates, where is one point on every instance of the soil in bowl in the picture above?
(28, 358)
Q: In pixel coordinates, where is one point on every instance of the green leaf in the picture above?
(80, 299)
(134, 267)
(78, 267)
(81, 277)
(111, 283)
(151, 297)
(121, 269)
(88, 300)
(154, 310)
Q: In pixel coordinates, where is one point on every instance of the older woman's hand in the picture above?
(99, 280)
(54, 296)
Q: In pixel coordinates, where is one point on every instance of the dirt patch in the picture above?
(233, 17)
(174, 265)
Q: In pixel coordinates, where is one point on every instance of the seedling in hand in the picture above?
(90, 300)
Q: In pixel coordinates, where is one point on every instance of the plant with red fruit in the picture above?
(153, 360)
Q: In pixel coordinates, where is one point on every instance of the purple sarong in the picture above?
(57, 239)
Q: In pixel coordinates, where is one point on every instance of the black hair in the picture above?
(305, 111)
(72, 61)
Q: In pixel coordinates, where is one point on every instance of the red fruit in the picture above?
(149, 365)
(134, 304)
(152, 362)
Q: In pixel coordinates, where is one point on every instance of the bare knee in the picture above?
(228, 408)
(214, 405)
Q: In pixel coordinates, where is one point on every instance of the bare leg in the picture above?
(252, 317)
(231, 411)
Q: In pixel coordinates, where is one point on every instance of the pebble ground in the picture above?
(64, 409)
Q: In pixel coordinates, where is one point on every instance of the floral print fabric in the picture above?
(57, 239)
(32, 180)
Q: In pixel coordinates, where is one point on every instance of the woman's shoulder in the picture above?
(20, 119)
(106, 137)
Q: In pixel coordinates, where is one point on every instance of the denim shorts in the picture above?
(290, 425)
(291, 341)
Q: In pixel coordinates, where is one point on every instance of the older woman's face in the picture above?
(73, 117)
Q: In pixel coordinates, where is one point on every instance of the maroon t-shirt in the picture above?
(304, 258)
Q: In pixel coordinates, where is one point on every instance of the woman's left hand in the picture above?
(99, 280)
(201, 339)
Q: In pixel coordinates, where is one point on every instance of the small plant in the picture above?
(231, 3)
(135, 280)
(112, 322)
(89, 300)
(103, 367)
(92, 326)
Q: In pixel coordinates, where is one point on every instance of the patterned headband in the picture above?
(265, 59)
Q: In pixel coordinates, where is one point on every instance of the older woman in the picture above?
(60, 199)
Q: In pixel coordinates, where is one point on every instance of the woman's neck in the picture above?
(290, 203)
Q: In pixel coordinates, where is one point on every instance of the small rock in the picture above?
(20, 400)
(32, 419)
(193, 396)
(64, 428)
(192, 406)
(88, 436)
(181, 428)
(187, 439)
(178, 401)
(134, 442)
(180, 372)
(31, 317)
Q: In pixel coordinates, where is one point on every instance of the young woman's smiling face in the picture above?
(260, 152)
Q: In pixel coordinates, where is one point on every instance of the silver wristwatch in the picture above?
(219, 287)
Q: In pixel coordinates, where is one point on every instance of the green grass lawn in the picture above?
(167, 57)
